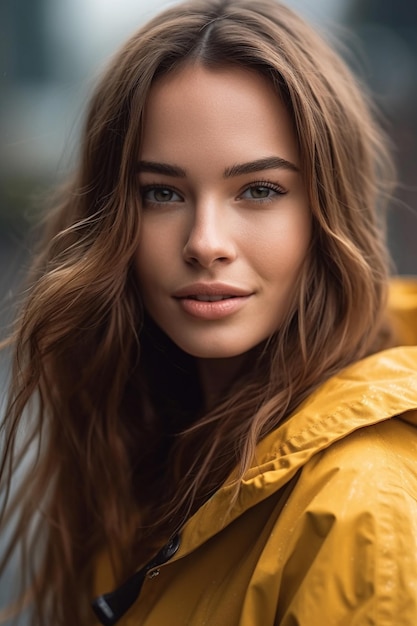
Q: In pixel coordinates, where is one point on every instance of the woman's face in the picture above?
(226, 223)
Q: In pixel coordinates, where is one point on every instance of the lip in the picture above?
(235, 299)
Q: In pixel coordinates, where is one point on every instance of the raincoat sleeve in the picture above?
(352, 555)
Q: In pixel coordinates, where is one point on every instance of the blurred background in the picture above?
(51, 51)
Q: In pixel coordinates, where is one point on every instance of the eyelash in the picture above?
(280, 191)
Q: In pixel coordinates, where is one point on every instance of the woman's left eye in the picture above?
(262, 191)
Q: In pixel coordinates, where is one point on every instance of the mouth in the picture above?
(211, 292)
(212, 301)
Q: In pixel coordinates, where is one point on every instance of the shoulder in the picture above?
(369, 475)
(354, 539)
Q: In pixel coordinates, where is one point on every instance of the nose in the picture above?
(210, 238)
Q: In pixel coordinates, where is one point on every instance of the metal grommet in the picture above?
(171, 547)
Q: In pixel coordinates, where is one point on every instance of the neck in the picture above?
(217, 376)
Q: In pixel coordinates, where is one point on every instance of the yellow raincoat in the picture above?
(324, 532)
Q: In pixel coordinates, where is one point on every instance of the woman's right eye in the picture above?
(159, 195)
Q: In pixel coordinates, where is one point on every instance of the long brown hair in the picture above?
(121, 451)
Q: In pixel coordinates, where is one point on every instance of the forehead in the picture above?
(227, 108)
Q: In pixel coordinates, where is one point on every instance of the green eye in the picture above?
(260, 192)
(162, 195)
(159, 195)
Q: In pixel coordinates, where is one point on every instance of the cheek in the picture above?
(281, 248)
(159, 232)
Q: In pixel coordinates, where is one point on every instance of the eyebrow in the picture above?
(161, 168)
(268, 163)
(250, 167)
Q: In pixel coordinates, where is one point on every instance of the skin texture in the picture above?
(249, 231)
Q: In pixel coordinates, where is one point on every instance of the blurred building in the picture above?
(387, 31)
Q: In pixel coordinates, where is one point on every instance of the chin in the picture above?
(215, 352)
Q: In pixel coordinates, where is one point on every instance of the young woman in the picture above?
(220, 425)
